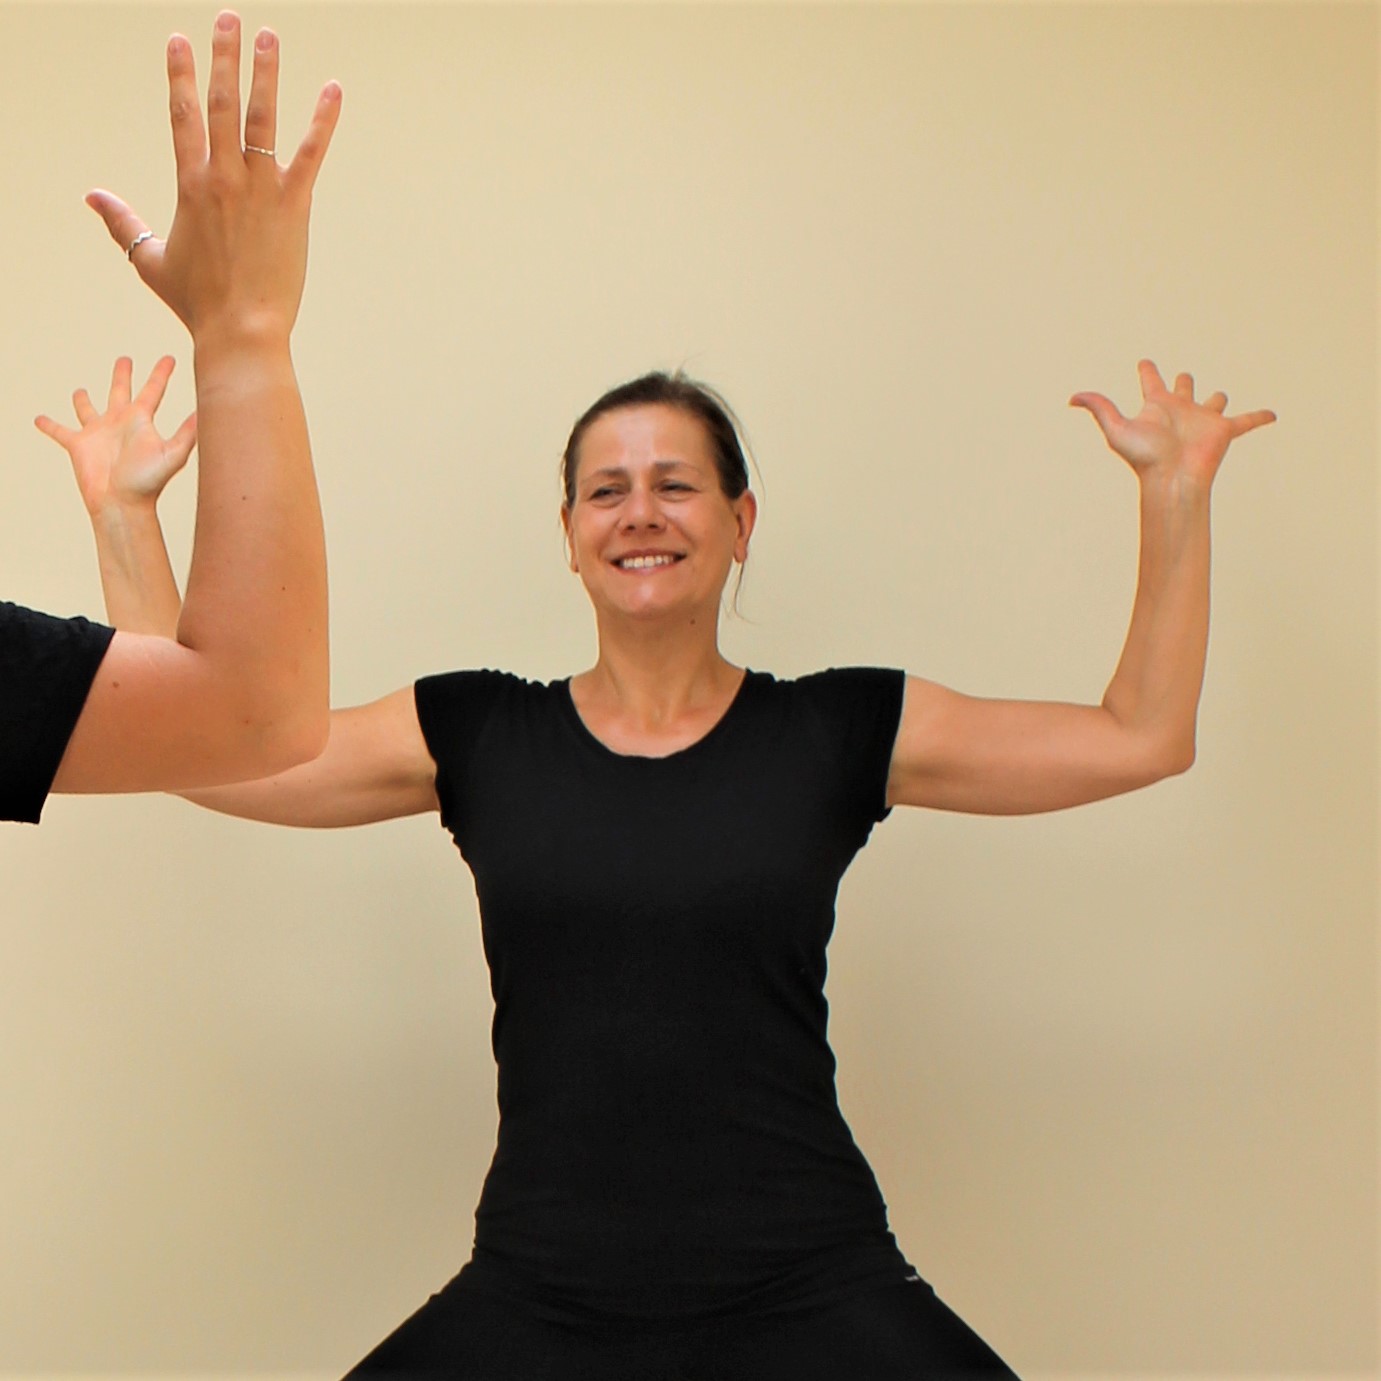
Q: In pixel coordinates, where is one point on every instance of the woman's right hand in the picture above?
(234, 261)
(119, 457)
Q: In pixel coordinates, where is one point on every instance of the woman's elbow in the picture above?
(282, 727)
(298, 740)
(1171, 758)
(1152, 760)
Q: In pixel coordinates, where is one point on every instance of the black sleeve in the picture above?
(859, 712)
(46, 669)
(452, 710)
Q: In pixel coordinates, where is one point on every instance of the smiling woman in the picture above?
(657, 844)
(649, 501)
(688, 434)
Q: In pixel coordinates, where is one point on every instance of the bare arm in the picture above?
(376, 766)
(999, 757)
(121, 464)
(244, 689)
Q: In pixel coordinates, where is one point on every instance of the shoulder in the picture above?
(480, 686)
(845, 681)
(460, 704)
(851, 708)
(839, 690)
(47, 666)
(27, 633)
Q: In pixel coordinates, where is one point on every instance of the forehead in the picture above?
(644, 435)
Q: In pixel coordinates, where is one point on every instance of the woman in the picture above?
(656, 843)
(237, 685)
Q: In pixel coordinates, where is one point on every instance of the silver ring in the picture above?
(137, 241)
(254, 148)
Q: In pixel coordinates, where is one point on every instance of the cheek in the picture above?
(584, 535)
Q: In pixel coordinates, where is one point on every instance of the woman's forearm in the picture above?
(1154, 692)
(137, 581)
(256, 587)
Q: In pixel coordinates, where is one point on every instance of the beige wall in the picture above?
(1116, 1068)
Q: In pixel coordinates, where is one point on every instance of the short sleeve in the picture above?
(453, 710)
(47, 666)
(858, 710)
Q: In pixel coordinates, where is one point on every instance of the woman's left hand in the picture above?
(1172, 435)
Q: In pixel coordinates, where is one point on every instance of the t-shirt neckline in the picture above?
(715, 730)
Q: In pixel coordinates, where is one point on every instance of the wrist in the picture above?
(1174, 488)
(239, 363)
(241, 340)
(114, 511)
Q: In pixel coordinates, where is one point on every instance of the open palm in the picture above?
(119, 456)
(1172, 433)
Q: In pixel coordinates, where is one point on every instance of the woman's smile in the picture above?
(648, 561)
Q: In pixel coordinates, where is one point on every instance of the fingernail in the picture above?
(264, 40)
(226, 20)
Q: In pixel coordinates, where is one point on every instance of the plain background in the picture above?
(1116, 1068)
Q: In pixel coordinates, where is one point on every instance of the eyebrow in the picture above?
(660, 466)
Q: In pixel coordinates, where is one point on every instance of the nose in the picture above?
(641, 510)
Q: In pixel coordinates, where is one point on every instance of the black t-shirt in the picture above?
(46, 669)
(670, 1140)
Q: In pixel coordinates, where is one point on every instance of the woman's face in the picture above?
(651, 531)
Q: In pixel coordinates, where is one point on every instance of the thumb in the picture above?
(183, 439)
(125, 229)
(1104, 411)
(64, 436)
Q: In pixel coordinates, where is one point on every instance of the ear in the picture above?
(570, 545)
(746, 514)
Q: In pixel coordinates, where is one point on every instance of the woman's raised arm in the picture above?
(244, 688)
(1000, 757)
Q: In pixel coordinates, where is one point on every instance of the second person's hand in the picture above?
(235, 258)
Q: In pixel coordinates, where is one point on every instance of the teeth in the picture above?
(642, 563)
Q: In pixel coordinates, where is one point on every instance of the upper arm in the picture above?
(1012, 757)
(376, 766)
(159, 716)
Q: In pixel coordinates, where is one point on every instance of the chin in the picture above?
(654, 610)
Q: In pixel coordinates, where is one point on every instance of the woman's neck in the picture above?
(653, 684)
